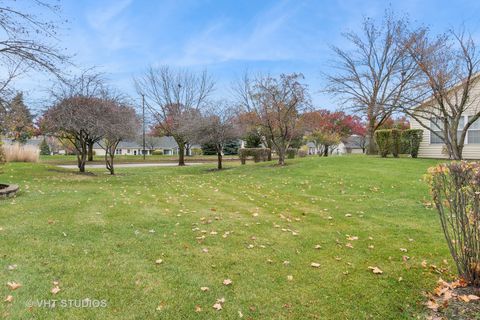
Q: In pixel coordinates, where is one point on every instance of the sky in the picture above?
(123, 37)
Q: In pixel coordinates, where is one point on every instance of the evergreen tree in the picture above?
(253, 140)
(208, 149)
(18, 123)
(231, 147)
(44, 148)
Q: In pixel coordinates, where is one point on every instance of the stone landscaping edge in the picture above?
(8, 190)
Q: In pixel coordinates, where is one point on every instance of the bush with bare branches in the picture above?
(455, 189)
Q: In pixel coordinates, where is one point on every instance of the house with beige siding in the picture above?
(431, 145)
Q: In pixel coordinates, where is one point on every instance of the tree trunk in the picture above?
(90, 151)
(372, 150)
(325, 151)
(219, 157)
(281, 157)
(82, 159)
(181, 154)
(112, 169)
(269, 146)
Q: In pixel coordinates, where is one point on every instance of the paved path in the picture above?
(129, 165)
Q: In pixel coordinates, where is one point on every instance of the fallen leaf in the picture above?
(55, 290)
(315, 265)
(403, 250)
(217, 306)
(9, 298)
(432, 305)
(227, 282)
(349, 245)
(198, 308)
(12, 267)
(13, 285)
(289, 277)
(159, 261)
(468, 298)
(376, 270)
(204, 289)
(318, 246)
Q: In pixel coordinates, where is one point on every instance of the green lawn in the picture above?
(71, 159)
(100, 236)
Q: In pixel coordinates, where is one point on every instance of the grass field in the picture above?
(71, 159)
(99, 236)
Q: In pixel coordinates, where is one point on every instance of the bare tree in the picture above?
(449, 67)
(151, 141)
(121, 123)
(217, 127)
(27, 40)
(174, 97)
(76, 119)
(87, 84)
(371, 78)
(277, 104)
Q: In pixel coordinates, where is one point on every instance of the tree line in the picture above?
(392, 67)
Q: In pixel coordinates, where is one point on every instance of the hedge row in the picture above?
(258, 154)
(396, 142)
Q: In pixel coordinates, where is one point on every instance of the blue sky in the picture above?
(123, 37)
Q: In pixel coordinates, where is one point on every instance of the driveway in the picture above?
(128, 165)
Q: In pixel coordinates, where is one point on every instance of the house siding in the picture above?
(428, 150)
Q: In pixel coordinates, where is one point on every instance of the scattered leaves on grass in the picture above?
(468, 298)
(12, 267)
(219, 304)
(55, 290)
(160, 306)
(13, 285)
(376, 270)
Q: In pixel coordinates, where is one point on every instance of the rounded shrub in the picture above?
(383, 138)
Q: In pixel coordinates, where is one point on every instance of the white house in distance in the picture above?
(350, 145)
(432, 146)
(132, 148)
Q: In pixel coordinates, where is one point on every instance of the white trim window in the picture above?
(436, 125)
(473, 133)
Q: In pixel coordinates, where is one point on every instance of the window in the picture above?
(473, 135)
(436, 125)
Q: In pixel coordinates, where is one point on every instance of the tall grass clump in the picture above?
(20, 153)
